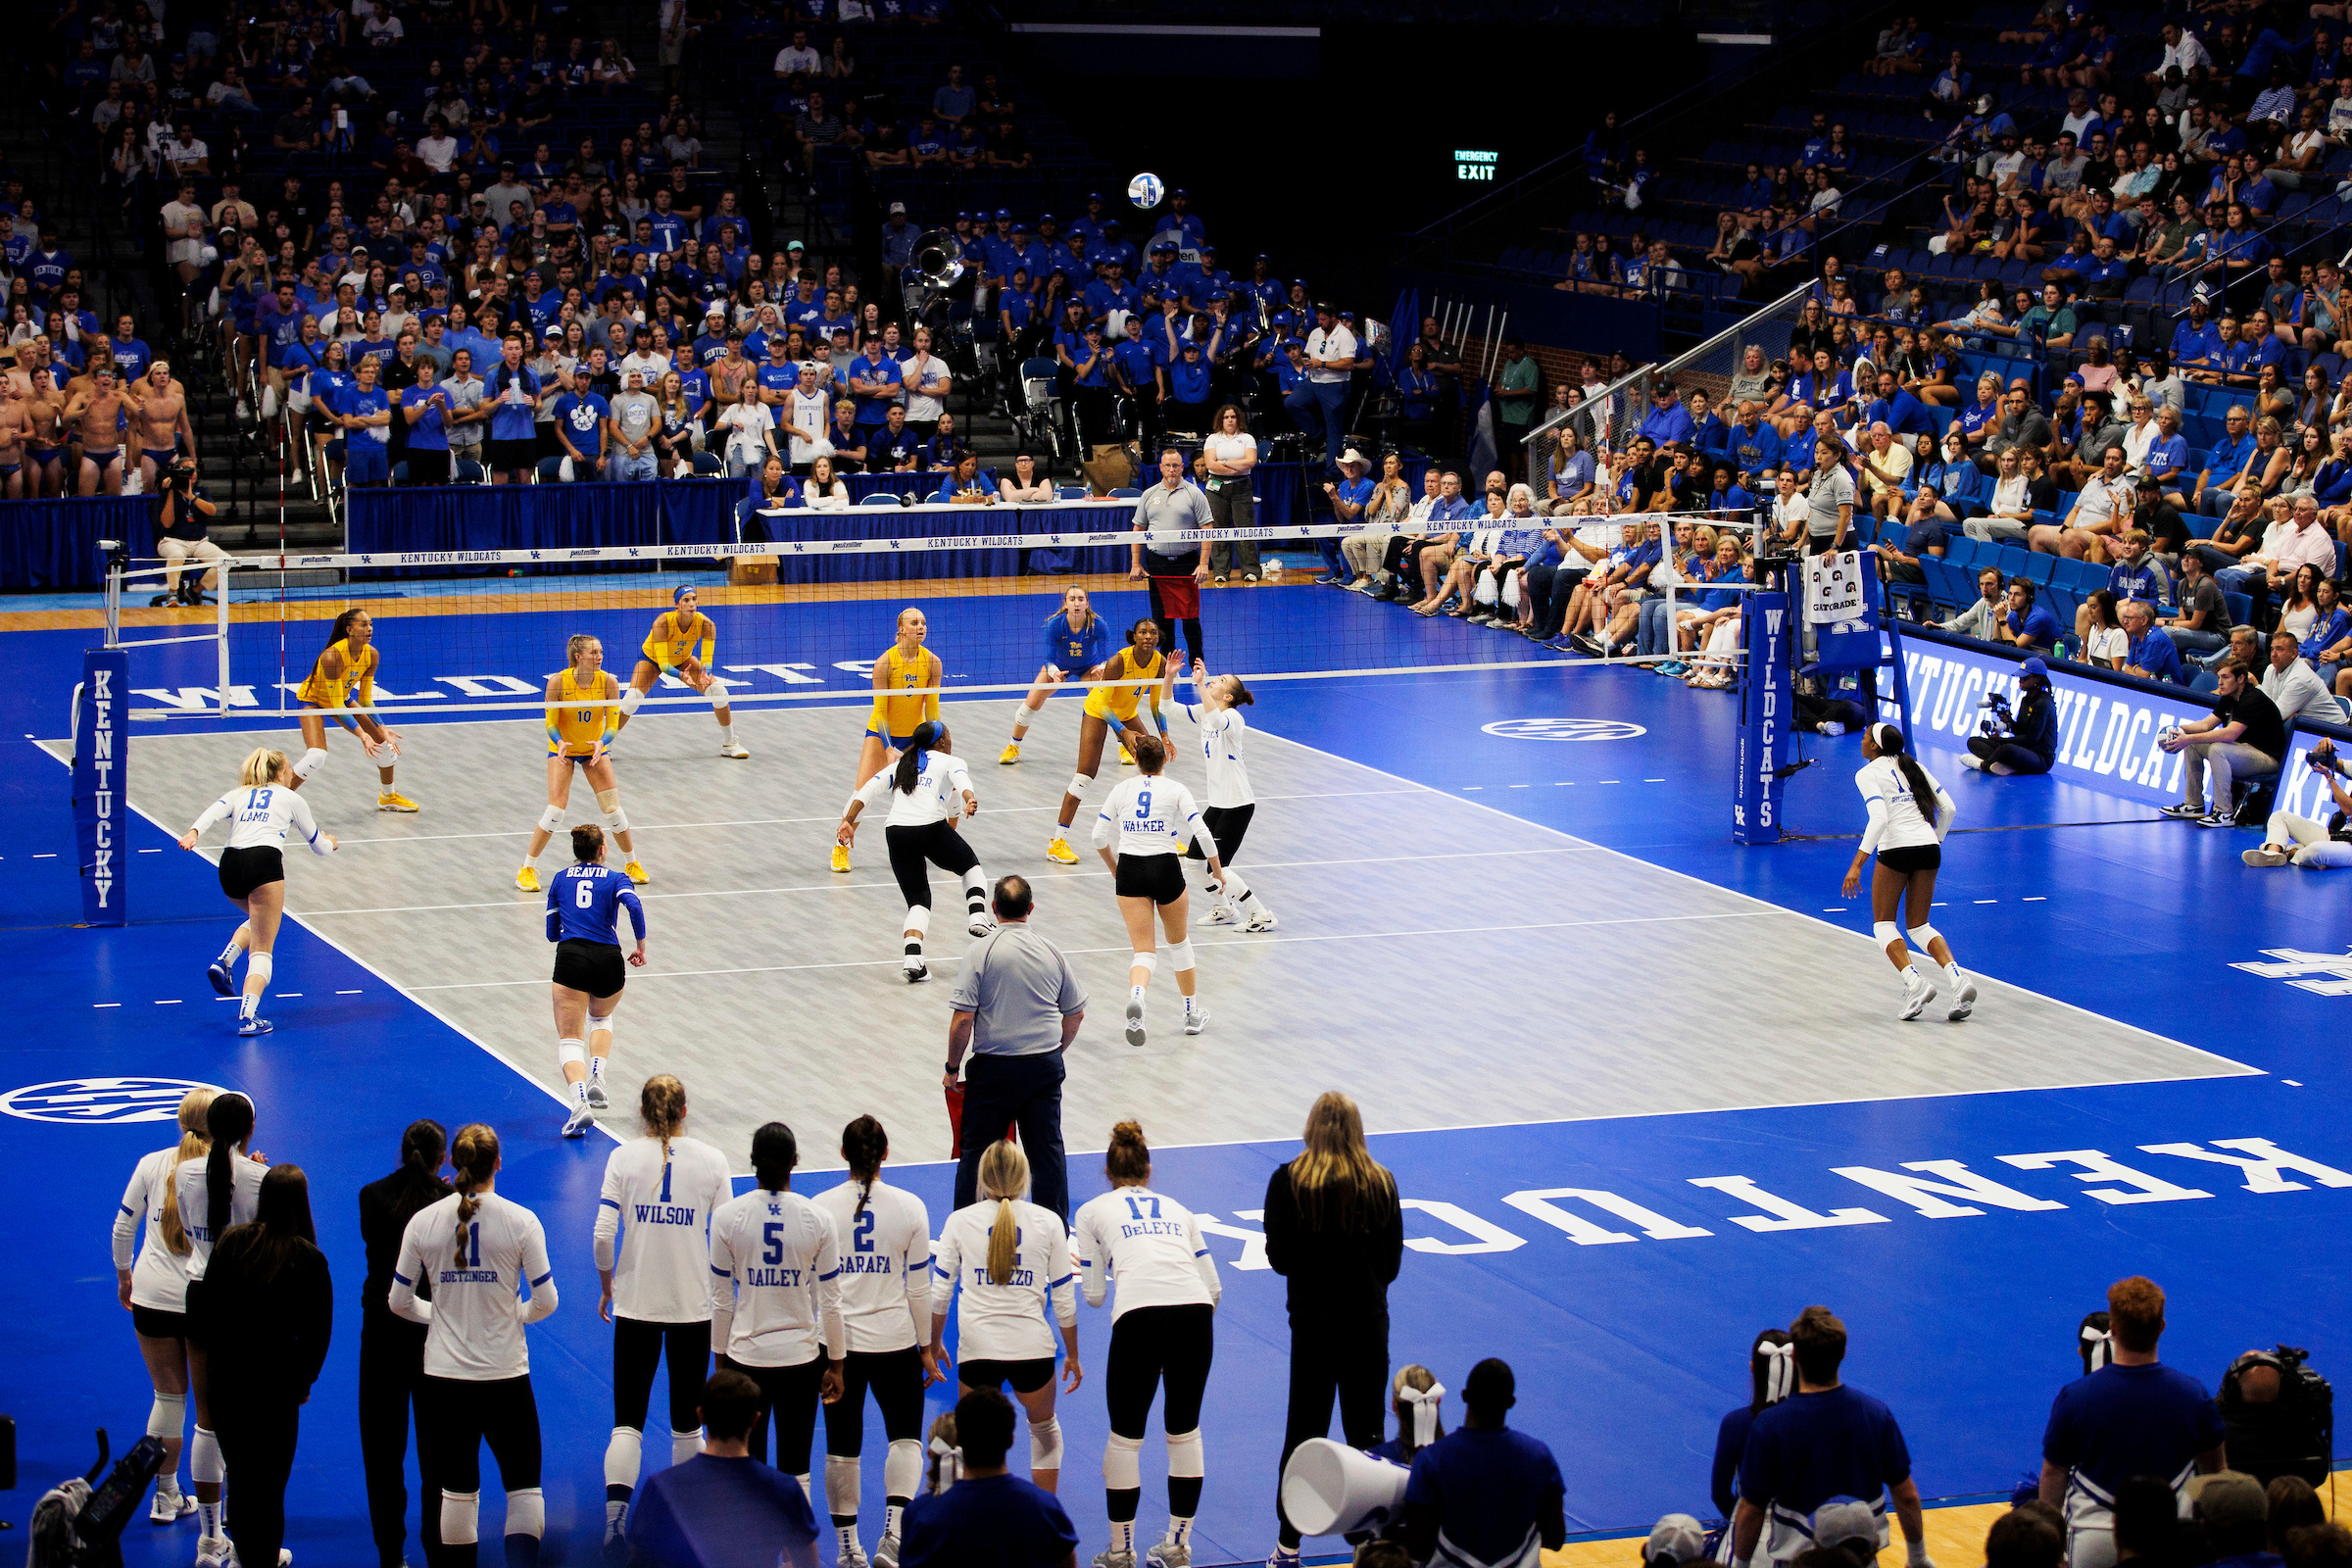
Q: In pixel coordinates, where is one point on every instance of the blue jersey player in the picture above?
(584, 902)
(1076, 639)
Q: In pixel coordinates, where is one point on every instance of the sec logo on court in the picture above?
(100, 1101)
(1564, 729)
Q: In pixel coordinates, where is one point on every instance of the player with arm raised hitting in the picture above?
(671, 648)
(582, 737)
(1075, 637)
(1231, 805)
(253, 872)
(884, 1236)
(659, 1194)
(1909, 814)
(1150, 818)
(480, 1251)
(1140, 667)
(930, 790)
(906, 665)
(583, 920)
(344, 676)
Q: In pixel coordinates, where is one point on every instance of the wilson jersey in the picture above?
(897, 716)
(1150, 1245)
(477, 1274)
(159, 1276)
(1151, 814)
(1141, 671)
(660, 1209)
(940, 785)
(321, 690)
(1069, 649)
(776, 1265)
(676, 633)
(194, 1188)
(585, 900)
(579, 731)
(1222, 734)
(885, 1265)
(259, 814)
(1004, 1322)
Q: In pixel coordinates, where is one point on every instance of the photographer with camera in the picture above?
(2300, 842)
(2024, 741)
(2281, 1414)
(179, 535)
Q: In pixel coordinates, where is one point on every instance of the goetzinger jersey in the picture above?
(776, 1265)
(478, 1272)
(1150, 1245)
(660, 1209)
(885, 1265)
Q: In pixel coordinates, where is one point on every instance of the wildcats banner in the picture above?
(101, 813)
(1763, 720)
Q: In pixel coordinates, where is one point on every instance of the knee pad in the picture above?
(1186, 1456)
(604, 1026)
(526, 1513)
(1045, 1445)
(1149, 962)
(684, 1446)
(919, 921)
(167, 1415)
(312, 761)
(1180, 957)
(717, 690)
(461, 1518)
(551, 821)
(1122, 1463)
(1919, 936)
(205, 1465)
(616, 821)
(1886, 933)
(626, 1452)
(902, 1467)
(1080, 783)
(259, 967)
(841, 1485)
(574, 1054)
(631, 699)
(608, 801)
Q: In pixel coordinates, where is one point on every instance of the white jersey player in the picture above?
(261, 810)
(929, 792)
(228, 1170)
(154, 1284)
(1141, 833)
(660, 1192)
(1224, 734)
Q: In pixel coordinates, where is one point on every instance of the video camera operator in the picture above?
(180, 534)
(2298, 840)
(2024, 741)
(2280, 1414)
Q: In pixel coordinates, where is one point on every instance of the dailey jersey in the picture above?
(776, 1265)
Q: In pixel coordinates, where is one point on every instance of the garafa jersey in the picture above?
(776, 1265)
(1004, 1322)
(478, 1270)
(885, 1264)
(659, 1204)
(1150, 1245)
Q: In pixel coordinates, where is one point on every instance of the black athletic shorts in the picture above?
(1227, 825)
(1158, 877)
(1026, 1377)
(595, 967)
(508, 456)
(243, 871)
(1912, 857)
(154, 1323)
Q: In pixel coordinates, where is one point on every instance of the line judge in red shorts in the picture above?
(1175, 574)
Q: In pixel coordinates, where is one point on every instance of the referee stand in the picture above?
(1835, 603)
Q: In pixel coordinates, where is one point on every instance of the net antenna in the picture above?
(145, 575)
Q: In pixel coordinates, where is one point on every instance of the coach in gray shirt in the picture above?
(1017, 1009)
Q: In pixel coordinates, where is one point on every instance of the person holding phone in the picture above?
(2300, 842)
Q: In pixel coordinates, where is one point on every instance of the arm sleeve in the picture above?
(828, 1291)
(1876, 828)
(947, 1261)
(555, 736)
(652, 641)
(1101, 834)
(608, 1213)
(916, 1268)
(1725, 1470)
(364, 695)
(539, 1272)
(1207, 1264)
(555, 920)
(612, 715)
(1946, 808)
(1093, 1257)
(723, 1286)
(217, 811)
(933, 676)
(1060, 1277)
(636, 908)
(405, 1274)
(128, 1218)
(874, 789)
(308, 826)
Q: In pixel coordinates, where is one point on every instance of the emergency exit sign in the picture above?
(1473, 165)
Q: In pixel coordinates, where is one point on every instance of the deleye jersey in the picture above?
(676, 633)
(941, 783)
(195, 1197)
(776, 1263)
(585, 900)
(258, 816)
(1149, 1243)
(898, 716)
(352, 675)
(574, 731)
(1151, 814)
(478, 1269)
(1069, 649)
(159, 1276)
(885, 1265)
(659, 1204)
(1004, 1322)
(1222, 734)
(1140, 672)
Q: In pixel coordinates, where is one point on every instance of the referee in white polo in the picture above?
(1174, 566)
(1017, 1007)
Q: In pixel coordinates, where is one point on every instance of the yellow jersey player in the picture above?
(906, 680)
(681, 643)
(344, 676)
(581, 735)
(1142, 671)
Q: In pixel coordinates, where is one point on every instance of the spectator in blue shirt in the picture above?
(2195, 340)
(722, 1508)
(580, 425)
(1485, 1492)
(1756, 445)
(1900, 412)
(1668, 422)
(2217, 486)
(2027, 625)
(2149, 653)
(989, 1518)
(878, 384)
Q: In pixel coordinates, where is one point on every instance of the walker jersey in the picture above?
(885, 1265)
(1151, 814)
(1005, 1322)
(478, 1269)
(777, 1263)
(1150, 1245)
(195, 1195)
(661, 1205)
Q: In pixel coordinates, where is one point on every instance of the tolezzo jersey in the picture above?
(940, 782)
(261, 814)
(1151, 814)
(1221, 737)
(159, 1278)
(776, 1265)
(1150, 1245)
(477, 1272)
(665, 1203)
(1005, 1322)
(195, 1197)
(885, 1265)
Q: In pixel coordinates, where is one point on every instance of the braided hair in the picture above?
(1890, 743)
(474, 1157)
(864, 1144)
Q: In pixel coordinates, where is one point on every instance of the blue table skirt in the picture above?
(54, 543)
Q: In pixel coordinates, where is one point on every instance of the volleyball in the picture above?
(1146, 190)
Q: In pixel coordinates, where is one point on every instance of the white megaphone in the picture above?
(1329, 1489)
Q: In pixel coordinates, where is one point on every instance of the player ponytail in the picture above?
(1128, 1160)
(775, 1153)
(864, 1145)
(662, 1107)
(1923, 789)
(1238, 694)
(337, 632)
(422, 1149)
(1151, 753)
(193, 1145)
(261, 766)
(587, 843)
(929, 733)
(474, 1157)
(228, 1119)
(1004, 1177)
(573, 645)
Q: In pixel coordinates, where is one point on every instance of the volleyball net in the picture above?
(477, 633)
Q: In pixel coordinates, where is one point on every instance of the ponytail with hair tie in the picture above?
(1890, 743)
(1780, 1371)
(910, 760)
